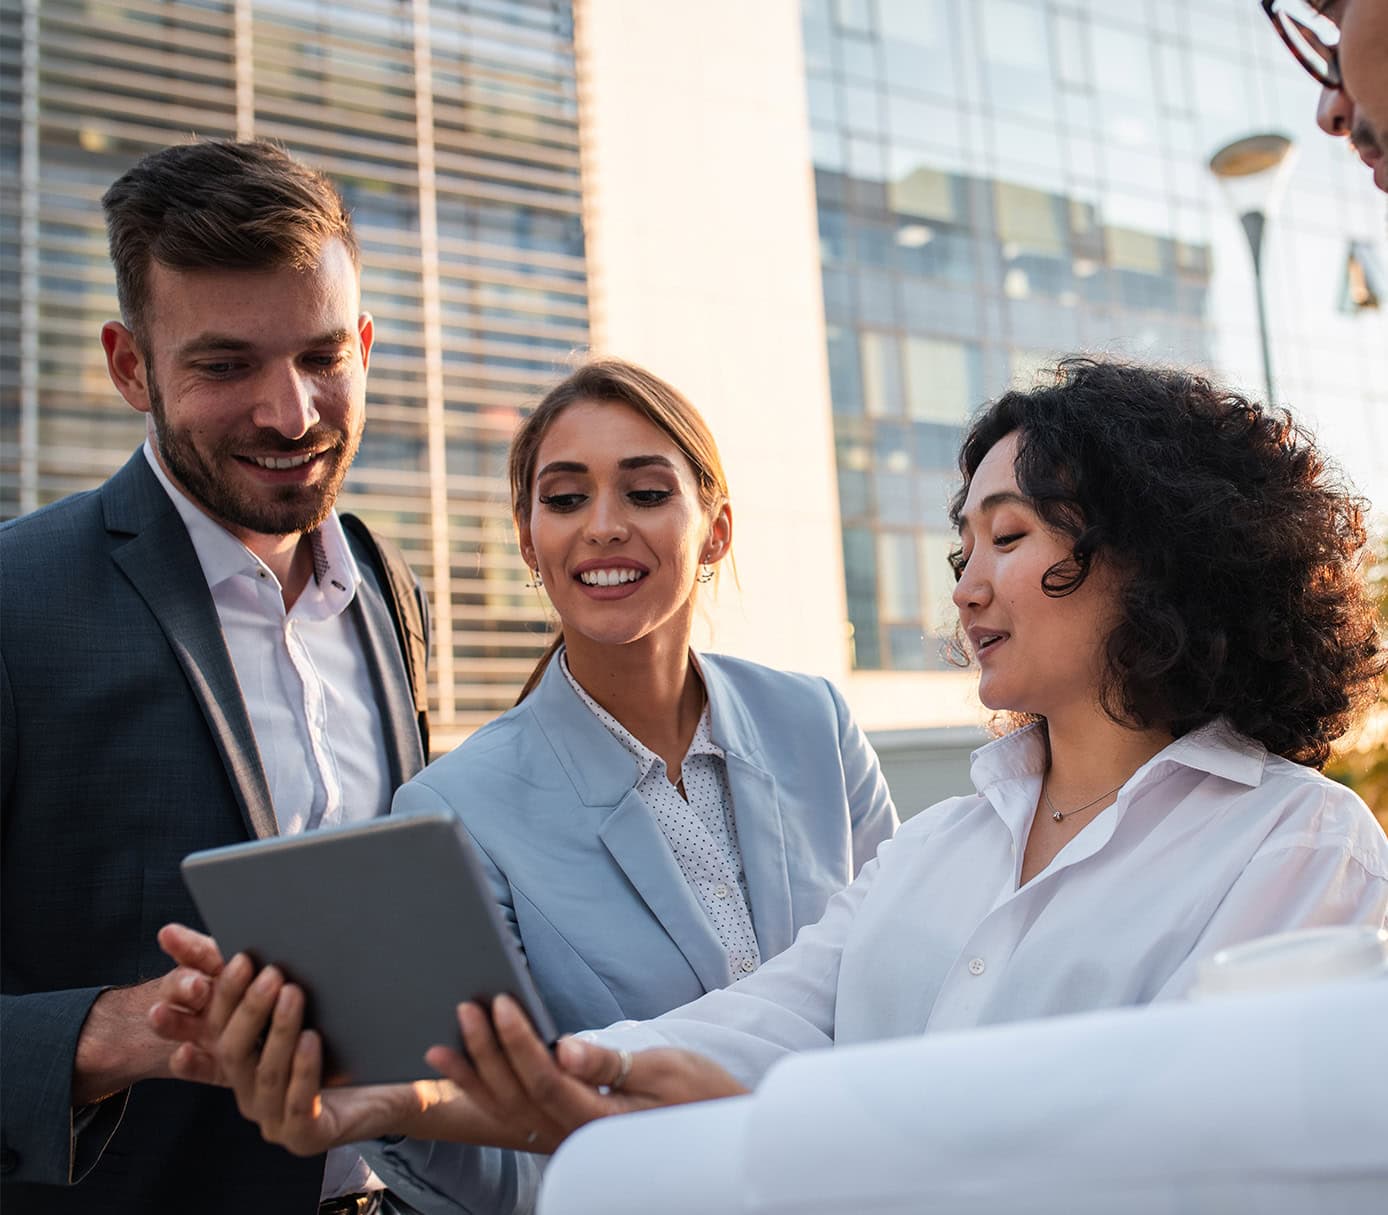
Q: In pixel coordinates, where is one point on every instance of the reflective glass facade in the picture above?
(1003, 181)
(451, 128)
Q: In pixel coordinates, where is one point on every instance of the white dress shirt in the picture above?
(308, 692)
(701, 832)
(1211, 842)
(303, 672)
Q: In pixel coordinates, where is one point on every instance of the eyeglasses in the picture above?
(1310, 35)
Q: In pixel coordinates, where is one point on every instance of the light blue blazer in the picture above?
(592, 891)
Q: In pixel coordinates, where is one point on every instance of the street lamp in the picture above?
(1253, 172)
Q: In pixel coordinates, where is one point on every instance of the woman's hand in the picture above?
(531, 1100)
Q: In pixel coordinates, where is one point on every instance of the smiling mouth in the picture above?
(987, 640)
(280, 463)
(610, 577)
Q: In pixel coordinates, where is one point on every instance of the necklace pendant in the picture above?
(1056, 814)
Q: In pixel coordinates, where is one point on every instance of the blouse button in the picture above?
(977, 966)
(748, 966)
(721, 892)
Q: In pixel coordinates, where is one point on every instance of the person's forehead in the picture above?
(226, 299)
(610, 430)
(997, 470)
(995, 475)
(333, 264)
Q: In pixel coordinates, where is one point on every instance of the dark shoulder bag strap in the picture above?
(407, 609)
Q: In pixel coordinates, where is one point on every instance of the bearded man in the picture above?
(194, 654)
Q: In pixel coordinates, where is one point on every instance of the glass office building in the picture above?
(995, 182)
(1005, 180)
(452, 129)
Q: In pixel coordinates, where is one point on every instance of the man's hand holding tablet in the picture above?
(251, 1038)
(509, 1090)
(386, 926)
(383, 981)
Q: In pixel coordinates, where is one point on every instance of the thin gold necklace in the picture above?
(1061, 815)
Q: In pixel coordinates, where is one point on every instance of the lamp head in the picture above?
(1253, 171)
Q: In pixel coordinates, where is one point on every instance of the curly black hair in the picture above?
(1242, 552)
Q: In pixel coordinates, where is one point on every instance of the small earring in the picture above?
(535, 579)
(706, 573)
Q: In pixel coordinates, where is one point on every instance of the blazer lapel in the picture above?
(756, 812)
(393, 693)
(160, 563)
(631, 835)
(603, 773)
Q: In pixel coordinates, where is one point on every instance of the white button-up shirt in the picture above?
(308, 692)
(1211, 842)
(303, 672)
(701, 832)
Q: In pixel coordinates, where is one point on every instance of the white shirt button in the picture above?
(748, 966)
(721, 892)
(977, 966)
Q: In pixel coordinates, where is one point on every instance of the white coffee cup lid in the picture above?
(1295, 959)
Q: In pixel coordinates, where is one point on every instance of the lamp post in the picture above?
(1253, 172)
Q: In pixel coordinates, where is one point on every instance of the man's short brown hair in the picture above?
(218, 204)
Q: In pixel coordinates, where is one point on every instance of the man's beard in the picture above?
(268, 510)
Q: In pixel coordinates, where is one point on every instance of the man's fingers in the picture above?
(238, 1047)
(188, 988)
(277, 1054)
(227, 991)
(189, 948)
(302, 1099)
(175, 1024)
(188, 1062)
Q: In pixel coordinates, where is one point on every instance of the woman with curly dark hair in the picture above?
(1162, 580)
(1241, 588)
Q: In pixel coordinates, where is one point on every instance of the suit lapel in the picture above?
(161, 565)
(602, 772)
(388, 676)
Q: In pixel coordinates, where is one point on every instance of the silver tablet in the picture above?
(387, 926)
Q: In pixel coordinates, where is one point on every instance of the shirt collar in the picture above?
(1008, 774)
(222, 556)
(701, 744)
(1216, 748)
(1219, 749)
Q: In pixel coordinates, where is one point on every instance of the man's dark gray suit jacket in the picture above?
(127, 745)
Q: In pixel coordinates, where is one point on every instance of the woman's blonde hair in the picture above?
(616, 382)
